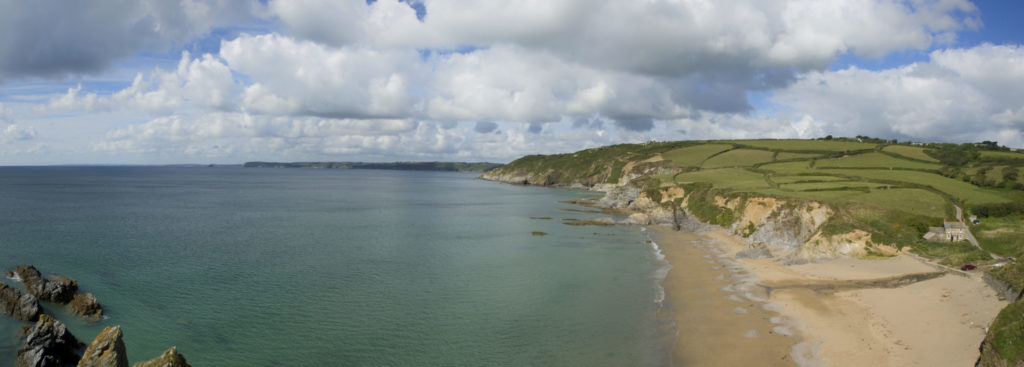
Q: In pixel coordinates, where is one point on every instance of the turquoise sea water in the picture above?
(302, 267)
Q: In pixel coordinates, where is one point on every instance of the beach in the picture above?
(895, 311)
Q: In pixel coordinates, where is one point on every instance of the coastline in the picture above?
(732, 311)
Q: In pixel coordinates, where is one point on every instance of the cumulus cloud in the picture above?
(958, 95)
(55, 38)
(203, 82)
(10, 131)
(306, 78)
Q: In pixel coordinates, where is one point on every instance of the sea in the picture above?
(305, 267)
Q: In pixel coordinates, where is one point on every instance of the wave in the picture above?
(661, 270)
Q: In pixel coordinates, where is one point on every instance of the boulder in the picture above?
(20, 306)
(170, 358)
(107, 350)
(48, 343)
(60, 289)
(85, 304)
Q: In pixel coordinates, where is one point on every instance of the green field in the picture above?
(739, 158)
(781, 156)
(726, 178)
(910, 152)
(795, 179)
(874, 160)
(958, 189)
(694, 156)
(806, 145)
(790, 168)
(831, 185)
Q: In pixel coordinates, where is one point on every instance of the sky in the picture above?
(230, 81)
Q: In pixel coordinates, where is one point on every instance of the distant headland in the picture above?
(401, 166)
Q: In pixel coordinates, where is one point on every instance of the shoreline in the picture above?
(732, 311)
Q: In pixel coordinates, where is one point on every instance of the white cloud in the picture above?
(959, 95)
(305, 78)
(204, 82)
(9, 131)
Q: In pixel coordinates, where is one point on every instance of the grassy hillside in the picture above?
(893, 191)
(887, 189)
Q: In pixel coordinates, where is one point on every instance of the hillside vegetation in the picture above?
(892, 192)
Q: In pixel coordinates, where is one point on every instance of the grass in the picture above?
(874, 160)
(1002, 236)
(955, 188)
(951, 253)
(725, 178)
(790, 168)
(994, 154)
(694, 156)
(830, 185)
(789, 155)
(914, 201)
(739, 158)
(1007, 332)
(910, 152)
(795, 179)
(805, 145)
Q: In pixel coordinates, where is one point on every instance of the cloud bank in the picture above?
(498, 79)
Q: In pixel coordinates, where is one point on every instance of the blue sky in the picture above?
(227, 81)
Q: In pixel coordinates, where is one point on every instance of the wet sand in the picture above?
(842, 312)
(717, 324)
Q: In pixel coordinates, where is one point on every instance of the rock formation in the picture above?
(170, 358)
(20, 306)
(60, 289)
(85, 304)
(107, 350)
(48, 343)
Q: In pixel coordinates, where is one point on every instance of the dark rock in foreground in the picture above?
(107, 350)
(20, 306)
(49, 343)
(85, 304)
(60, 289)
(170, 358)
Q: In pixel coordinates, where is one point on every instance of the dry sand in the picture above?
(935, 322)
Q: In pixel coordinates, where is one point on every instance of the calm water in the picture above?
(271, 267)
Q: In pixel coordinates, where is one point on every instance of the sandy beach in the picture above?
(844, 312)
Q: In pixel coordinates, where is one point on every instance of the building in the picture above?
(954, 231)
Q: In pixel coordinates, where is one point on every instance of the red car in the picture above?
(967, 267)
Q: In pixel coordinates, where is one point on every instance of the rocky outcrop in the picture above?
(85, 305)
(170, 358)
(1003, 288)
(755, 251)
(107, 350)
(48, 343)
(23, 307)
(60, 289)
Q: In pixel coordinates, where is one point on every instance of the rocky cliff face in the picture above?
(48, 343)
(791, 229)
(107, 350)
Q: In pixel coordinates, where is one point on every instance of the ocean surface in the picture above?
(302, 267)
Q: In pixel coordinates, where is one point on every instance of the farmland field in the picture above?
(728, 178)
(874, 160)
(806, 145)
(739, 158)
(910, 152)
(788, 155)
(695, 155)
